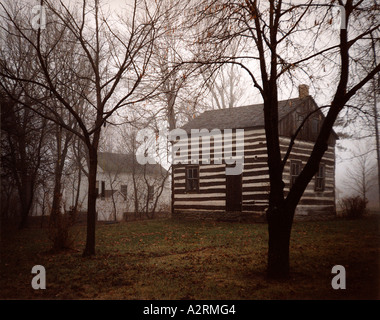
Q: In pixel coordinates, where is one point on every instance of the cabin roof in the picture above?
(242, 117)
(123, 163)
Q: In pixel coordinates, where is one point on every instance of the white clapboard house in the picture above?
(202, 189)
(122, 184)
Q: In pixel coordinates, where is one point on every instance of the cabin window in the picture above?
(320, 178)
(192, 179)
(315, 126)
(124, 189)
(295, 170)
(150, 193)
(298, 120)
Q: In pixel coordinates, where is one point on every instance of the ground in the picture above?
(169, 259)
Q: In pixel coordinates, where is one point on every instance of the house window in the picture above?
(192, 179)
(150, 193)
(320, 178)
(295, 170)
(97, 188)
(124, 189)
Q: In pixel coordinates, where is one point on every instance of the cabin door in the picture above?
(233, 192)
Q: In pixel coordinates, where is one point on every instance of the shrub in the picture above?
(353, 207)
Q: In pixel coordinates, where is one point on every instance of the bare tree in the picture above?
(127, 145)
(363, 112)
(112, 57)
(376, 91)
(177, 95)
(275, 54)
(77, 171)
(23, 152)
(155, 184)
(225, 87)
(225, 82)
(361, 173)
(62, 141)
(148, 181)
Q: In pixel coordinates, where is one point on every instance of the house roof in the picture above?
(123, 163)
(241, 117)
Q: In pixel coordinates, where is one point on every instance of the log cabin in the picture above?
(202, 189)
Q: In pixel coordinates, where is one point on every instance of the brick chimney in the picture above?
(303, 90)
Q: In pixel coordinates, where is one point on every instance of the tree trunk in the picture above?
(135, 189)
(55, 207)
(24, 217)
(279, 229)
(76, 202)
(377, 138)
(26, 200)
(58, 171)
(91, 204)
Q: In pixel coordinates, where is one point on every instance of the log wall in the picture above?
(210, 201)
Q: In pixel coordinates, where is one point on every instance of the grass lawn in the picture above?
(168, 259)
